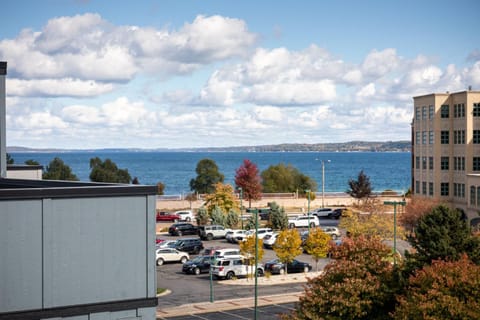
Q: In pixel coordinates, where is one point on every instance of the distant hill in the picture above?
(352, 146)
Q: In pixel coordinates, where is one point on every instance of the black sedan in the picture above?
(277, 267)
(198, 265)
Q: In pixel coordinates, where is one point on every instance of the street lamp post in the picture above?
(323, 183)
(308, 208)
(241, 205)
(256, 262)
(394, 204)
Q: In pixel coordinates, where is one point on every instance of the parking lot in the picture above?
(189, 288)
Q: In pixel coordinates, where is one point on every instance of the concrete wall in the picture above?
(77, 251)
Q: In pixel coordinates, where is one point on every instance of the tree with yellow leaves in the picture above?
(317, 244)
(223, 197)
(288, 246)
(247, 249)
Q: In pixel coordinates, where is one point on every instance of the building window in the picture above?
(417, 162)
(476, 137)
(431, 111)
(459, 137)
(476, 109)
(424, 137)
(476, 164)
(444, 111)
(459, 110)
(455, 189)
(417, 113)
(430, 188)
(444, 189)
(444, 163)
(424, 112)
(462, 190)
(430, 163)
(459, 163)
(478, 196)
(417, 137)
(444, 137)
(431, 136)
(424, 187)
(472, 196)
(459, 190)
(424, 163)
(417, 186)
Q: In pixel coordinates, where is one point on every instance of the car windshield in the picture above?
(198, 259)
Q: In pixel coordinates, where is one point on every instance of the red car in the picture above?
(167, 216)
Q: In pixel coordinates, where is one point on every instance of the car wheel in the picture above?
(183, 259)
(312, 224)
(188, 219)
(175, 220)
(196, 271)
(159, 261)
(230, 275)
(260, 272)
(196, 250)
(209, 237)
(179, 233)
(281, 271)
(334, 237)
(306, 269)
(291, 225)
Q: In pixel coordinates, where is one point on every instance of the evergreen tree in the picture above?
(32, 162)
(10, 159)
(202, 216)
(217, 216)
(360, 188)
(207, 176)
(278, 219)
(232, 219)
(58, 170)
(107, 171)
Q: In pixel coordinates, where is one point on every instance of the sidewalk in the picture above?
(224, 305)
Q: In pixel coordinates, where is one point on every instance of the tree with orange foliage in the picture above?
(443, 290)
(414, 210)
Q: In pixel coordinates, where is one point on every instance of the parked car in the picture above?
(212, 232)
(227, 253)
(303, 222)
(337, 213)
(210, 251)
(332, 231)
(323, 212)
(277, 267)
(185, 215)
(179, 229)
(262, 232)
(170, 255)
(190, 245)
(200, 264)
(269, 240)
(167, 244)
(231, 235)
(234, 267)
(167, 216)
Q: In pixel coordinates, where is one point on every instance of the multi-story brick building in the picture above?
(446, 149)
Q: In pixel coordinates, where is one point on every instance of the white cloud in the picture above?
(379, 63)
(367, 91)
(57, 87)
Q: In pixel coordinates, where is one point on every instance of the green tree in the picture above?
(217, 216)
(107, 171)
(223, 197)
(32, 162)
(202, 216)
(288, 246)
(58, 170)
(248, 178)
(317, 244)
(160, 188)
(442, 234)
(250, 224)
(10, 159)
(278, 218)
(356, 285)
(360, 188)
(207, 177)
(443, 290)
(232, 219)
(282, 178)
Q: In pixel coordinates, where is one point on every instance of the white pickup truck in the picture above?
(303, 222)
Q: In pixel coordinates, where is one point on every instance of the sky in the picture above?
(184, 74)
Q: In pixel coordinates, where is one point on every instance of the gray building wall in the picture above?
(67, 251)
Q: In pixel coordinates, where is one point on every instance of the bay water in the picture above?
(386, 170)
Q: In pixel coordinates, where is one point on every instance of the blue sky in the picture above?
(173, 74)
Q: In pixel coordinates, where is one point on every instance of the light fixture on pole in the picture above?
(241, 205)
(323, 183)
(394, 204)
(308, 208)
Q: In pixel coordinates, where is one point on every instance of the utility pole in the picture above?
(394, 204)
